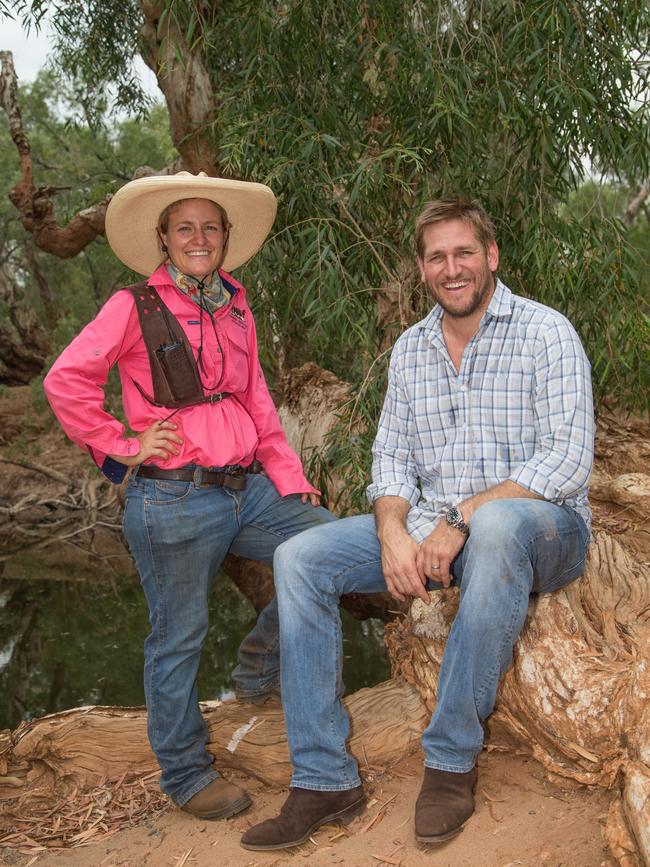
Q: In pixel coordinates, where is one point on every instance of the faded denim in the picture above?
(179, 534)
(516, 547)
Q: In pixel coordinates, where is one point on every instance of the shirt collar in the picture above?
(501, 302)
(161, 277)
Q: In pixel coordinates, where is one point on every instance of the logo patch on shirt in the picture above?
(193, 322)
(239, 316)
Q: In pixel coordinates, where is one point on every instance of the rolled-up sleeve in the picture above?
(564, 417)
(394, 473)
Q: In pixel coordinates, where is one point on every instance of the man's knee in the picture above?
(296, 561)
(499, 523)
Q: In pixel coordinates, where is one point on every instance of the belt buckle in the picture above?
(197, 477)
(216, 398)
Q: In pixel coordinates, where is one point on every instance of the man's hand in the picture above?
(438, 551)
(157, 441)
(399, 554)
(314, 499)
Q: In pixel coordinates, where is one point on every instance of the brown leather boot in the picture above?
(303, 812)
(445, 803)
(218, 800)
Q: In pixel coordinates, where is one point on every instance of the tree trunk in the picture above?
(185, 83)
(576, 694)
(64, 752)
(24, 345)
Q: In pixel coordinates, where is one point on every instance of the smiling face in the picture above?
(195, 236)
(457, 268)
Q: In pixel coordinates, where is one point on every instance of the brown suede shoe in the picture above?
(303, 812)
(445, 803)
(218, 800)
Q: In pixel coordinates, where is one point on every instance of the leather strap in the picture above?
(234, 480)
(160, 327)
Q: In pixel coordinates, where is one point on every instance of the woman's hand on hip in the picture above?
(157, 441)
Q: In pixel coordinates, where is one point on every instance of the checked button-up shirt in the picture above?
(519, 408)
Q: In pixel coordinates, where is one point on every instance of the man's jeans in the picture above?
(516, 547)
(179, 534)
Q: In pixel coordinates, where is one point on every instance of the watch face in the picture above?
(453, 515)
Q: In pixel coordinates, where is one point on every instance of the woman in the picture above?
(192, 387)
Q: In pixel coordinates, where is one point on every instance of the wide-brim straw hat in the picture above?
(133, 212)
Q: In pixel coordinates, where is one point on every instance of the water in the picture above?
(64, 644)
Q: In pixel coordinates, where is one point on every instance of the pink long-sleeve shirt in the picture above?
(238, 430)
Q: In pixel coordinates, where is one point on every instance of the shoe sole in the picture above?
(439, 838)
(343, 817)
(232, 809)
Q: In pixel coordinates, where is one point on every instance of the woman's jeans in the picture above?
(179, 534)
(516, 547)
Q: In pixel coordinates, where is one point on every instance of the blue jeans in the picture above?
(179, 534)
(516, 547)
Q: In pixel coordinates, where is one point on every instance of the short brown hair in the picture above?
(467, 210)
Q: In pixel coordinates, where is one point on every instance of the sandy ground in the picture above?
(521, 819)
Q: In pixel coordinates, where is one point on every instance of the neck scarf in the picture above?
(208, 293)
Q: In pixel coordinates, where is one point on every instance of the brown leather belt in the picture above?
(235, 478)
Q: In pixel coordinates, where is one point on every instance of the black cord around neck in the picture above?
(203, 308)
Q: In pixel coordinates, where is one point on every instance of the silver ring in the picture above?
(435, 568)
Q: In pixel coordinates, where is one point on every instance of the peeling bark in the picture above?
(576, 695)
(631, 490)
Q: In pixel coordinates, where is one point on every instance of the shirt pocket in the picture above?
(237, 358)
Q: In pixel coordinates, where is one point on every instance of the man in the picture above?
(479, 479)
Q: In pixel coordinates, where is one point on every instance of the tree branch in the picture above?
(34, 204)
(37, 468)
(636, 205)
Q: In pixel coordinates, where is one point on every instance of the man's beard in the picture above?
(472, 305)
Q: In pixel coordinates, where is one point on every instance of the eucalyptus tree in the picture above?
(356, 113)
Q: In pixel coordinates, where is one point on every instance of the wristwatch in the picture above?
(455, 519)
